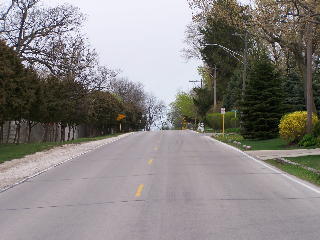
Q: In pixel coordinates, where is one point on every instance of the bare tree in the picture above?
(5, 9)
(193, 41)
(128, 91)
(67, 56)
(155, 111)
(28, 26)
(102, 76)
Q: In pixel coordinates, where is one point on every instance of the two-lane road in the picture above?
(172, 185)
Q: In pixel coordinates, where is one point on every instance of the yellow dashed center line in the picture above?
(150, 161)
(139, 190)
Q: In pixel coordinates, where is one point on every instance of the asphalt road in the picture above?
(172, 185)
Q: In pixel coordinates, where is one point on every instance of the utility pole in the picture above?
(245, 62)
(215, 87)
(201, 81)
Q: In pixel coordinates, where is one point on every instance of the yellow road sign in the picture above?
(120, 117)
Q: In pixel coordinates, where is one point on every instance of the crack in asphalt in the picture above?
(89, 178)
(73, 205)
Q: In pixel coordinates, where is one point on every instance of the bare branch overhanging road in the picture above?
(173, 185)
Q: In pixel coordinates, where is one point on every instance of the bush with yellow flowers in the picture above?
(292, 126)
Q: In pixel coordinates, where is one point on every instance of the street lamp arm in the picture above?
(233, 53)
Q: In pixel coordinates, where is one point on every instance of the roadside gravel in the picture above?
(17, 170)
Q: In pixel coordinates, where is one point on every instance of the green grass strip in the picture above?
(297, 171)
(308, 161)
(270, 144)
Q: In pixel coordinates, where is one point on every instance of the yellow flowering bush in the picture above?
(292, 126)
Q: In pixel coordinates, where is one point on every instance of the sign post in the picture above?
(235, 117)
(223, 112)
(119, 118)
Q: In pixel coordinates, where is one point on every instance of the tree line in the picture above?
(51, 76)
(233, 38)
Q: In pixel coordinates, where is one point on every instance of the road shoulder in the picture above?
(285, 174)
(17, 171)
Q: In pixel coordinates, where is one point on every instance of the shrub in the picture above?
(233, 130)
(292, 126)
(229, 137)
(308, 141)
(235, 122)
(214, 120)
(316, 130)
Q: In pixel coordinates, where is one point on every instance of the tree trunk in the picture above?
(8, 132)
(63, 133)
(45, 135)
(29, 131)
(69, 132)
(15, 134)
(310, 100)
(73, 132)
(302, 62)
(1, 133)
(18, 131)
(56, 135)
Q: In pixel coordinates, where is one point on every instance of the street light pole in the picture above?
(236, 55)
(232, 53)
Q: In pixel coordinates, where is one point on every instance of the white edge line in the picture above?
(284, 174)
(60, 163)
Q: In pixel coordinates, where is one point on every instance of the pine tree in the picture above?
(202, 100)
(17, 89)
(232, 97)
(262, 106)
(293, 93)
(11, 69)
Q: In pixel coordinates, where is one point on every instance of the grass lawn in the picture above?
(14, 151)
(270, 144)
(308, 161)
(297, 171)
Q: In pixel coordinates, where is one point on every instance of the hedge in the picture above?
(214, 120)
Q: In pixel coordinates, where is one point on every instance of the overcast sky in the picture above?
(144, 38)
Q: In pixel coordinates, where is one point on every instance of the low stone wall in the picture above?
(37, 133)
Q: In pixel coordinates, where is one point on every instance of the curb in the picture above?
(61, 163)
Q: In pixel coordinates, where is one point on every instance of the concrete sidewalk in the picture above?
(271, 154)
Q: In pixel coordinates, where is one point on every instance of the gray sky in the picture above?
(144, 39)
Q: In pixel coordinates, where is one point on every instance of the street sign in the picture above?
(120, 117)
(223, 111)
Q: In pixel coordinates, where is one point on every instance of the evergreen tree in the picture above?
(17, 88)
(10, 70)
(262, 106)
(293, 93)
(203, 101)
(232, 97)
